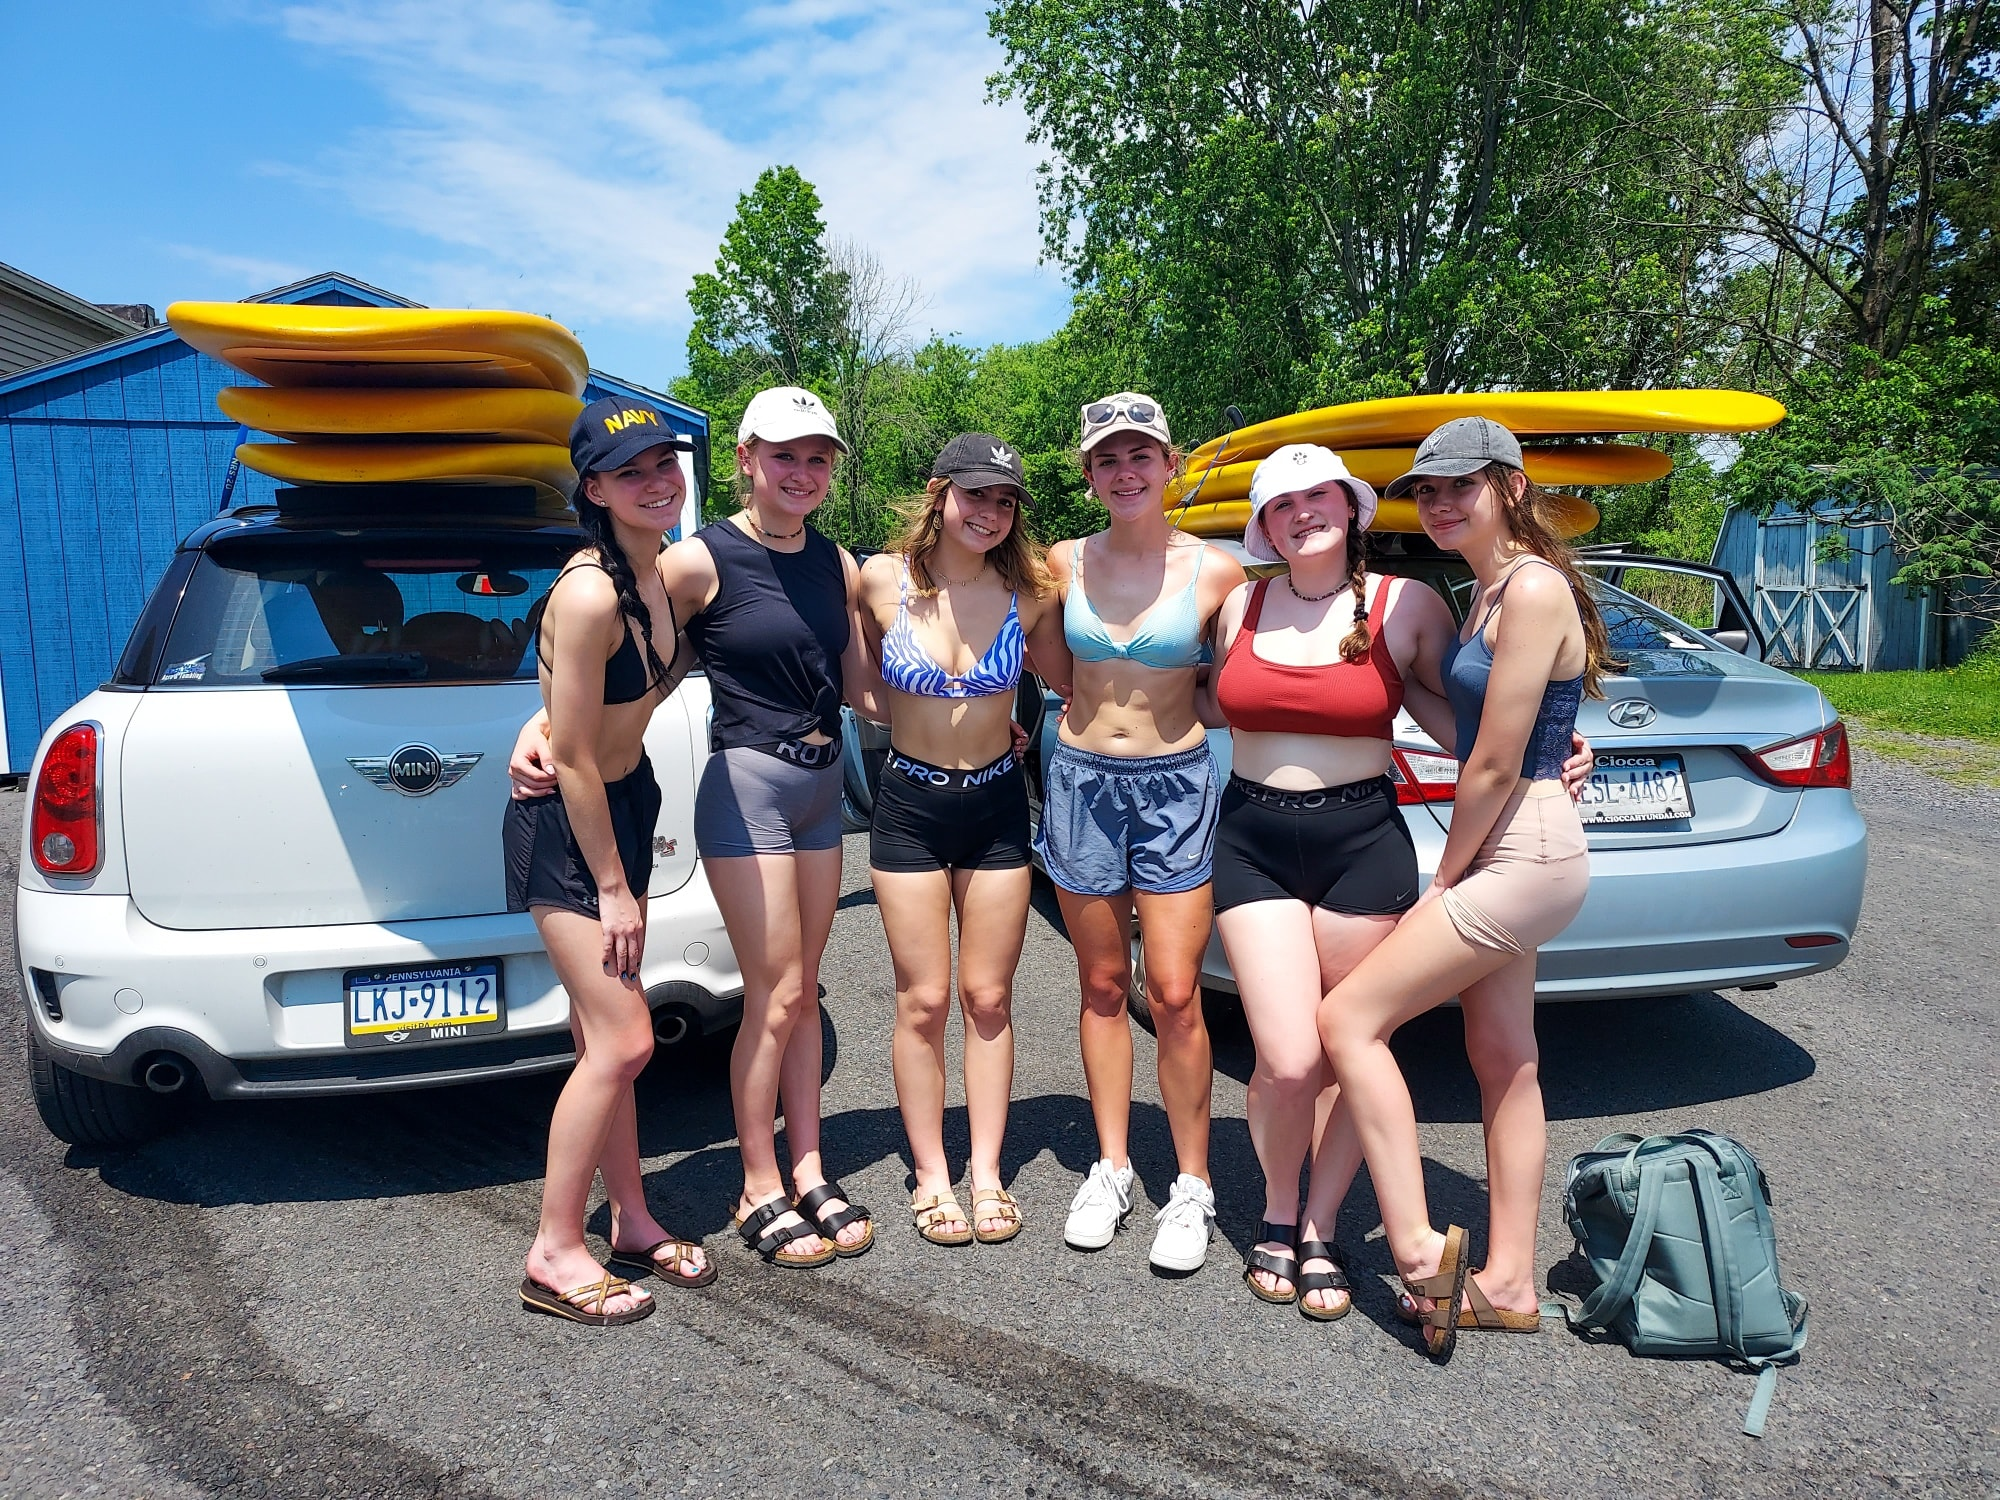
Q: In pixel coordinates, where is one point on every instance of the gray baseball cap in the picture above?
(1462, 446)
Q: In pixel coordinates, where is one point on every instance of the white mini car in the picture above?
(264, 859)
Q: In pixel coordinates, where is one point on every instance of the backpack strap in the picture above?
(1615, 1291)
(1728, 1292)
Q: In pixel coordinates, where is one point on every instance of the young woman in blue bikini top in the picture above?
(951, 611)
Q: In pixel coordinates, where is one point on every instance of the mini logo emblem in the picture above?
(1301, 456)
(804, 403)
(1631, 713)
(415, 770)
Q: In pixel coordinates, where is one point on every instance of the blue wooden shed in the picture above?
(1819, 582)
(107, 459)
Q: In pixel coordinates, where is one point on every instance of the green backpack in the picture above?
(1678, 1231)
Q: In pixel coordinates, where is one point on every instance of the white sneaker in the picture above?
(1099, 1206)
(1181, 1241)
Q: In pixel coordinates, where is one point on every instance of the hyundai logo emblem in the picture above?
(1631, 713)
(415, 770)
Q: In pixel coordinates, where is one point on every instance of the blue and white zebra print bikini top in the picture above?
(908, 668)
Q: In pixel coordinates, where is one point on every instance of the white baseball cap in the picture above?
(785, 412)
(1293, 468)
(1128, 411)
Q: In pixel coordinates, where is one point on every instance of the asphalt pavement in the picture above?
(318, 1298)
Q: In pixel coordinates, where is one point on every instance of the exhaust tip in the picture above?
(165, 1074)
(671, 1027)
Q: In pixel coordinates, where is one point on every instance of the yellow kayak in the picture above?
(308, 413)
(1574, 516)
(1582, 463)
(396, 346)
(543, 464)
(1409, 419)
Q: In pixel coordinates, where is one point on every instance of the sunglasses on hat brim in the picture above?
(1104, 413)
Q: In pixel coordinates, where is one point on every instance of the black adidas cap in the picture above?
(613, 431)
(974, 460)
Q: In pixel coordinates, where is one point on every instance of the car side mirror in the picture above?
(1735, 640)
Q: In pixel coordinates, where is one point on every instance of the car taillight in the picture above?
(63, 832)
(1422, 775)
(1818, 759)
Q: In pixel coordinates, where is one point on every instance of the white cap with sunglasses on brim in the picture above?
(786, 413)
(1128, 411)
(1294, 468)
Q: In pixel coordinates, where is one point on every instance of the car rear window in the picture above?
(320, 609)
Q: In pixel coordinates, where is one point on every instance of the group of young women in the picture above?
(1302, 858)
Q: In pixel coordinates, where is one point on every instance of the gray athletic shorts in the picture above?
(1113, 823)
(752, 802)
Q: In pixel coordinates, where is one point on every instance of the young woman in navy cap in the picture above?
(770, 605)
(951, 609)
(580, 854)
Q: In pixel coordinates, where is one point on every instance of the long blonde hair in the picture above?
(1529, 516)
(1018, 558)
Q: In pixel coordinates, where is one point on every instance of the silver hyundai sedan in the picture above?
(1726, 850)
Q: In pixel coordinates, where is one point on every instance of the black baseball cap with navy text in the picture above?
(614, 430)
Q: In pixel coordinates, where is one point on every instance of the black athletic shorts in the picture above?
(544, 865)
(930, 818)
(1345, 848)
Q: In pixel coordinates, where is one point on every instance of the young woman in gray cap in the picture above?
(770, 604)
(579, 854)
(950, 611)
(1513, 874)
(1128, 814)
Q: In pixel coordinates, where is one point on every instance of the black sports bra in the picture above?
(625, 679)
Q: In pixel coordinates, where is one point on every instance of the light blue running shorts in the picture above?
(1112, 824)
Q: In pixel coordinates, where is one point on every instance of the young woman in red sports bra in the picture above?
(1313, 862)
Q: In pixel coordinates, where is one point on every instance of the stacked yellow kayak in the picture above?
(371, 395)
(1377, 440)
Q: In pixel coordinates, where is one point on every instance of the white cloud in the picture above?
(253, 273)
(566, 164)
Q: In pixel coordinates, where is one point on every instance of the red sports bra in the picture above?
(1344, 700)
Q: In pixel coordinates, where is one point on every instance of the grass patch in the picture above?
(1961, 703)
(1966, 762)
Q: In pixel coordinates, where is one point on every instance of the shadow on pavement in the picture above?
(1599, 1058)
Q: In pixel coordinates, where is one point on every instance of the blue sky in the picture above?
(561, 158)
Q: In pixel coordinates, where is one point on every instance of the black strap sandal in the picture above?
(769, 1239)
(1324, 1281)
(831, 1222)
(1286, 1265)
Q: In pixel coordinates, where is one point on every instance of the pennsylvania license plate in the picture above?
(426, 1003)
(1625, 788)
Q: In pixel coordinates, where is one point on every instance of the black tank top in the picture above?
(771, 638)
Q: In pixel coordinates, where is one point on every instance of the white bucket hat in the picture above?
(784, 413)
(1296, 467)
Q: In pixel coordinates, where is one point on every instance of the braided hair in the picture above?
(1359, 641)
(595, 520)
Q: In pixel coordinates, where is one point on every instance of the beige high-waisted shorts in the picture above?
(1528, 881)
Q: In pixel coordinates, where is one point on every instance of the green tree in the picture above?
(770, 313)
(1294, 203)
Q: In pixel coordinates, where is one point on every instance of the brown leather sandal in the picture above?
(940, 1208)
(1006, 1209)
(585, 1304)
(1478, 1313)
(667, 1267)
(1444, 1288)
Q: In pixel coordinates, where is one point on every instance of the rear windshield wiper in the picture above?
(356, 667)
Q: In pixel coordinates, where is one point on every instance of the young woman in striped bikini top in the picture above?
(951, 610)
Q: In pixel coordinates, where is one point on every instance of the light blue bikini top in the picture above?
(908, 668)
(1169, 636)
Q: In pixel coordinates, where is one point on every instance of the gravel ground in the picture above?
(317, 1298)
